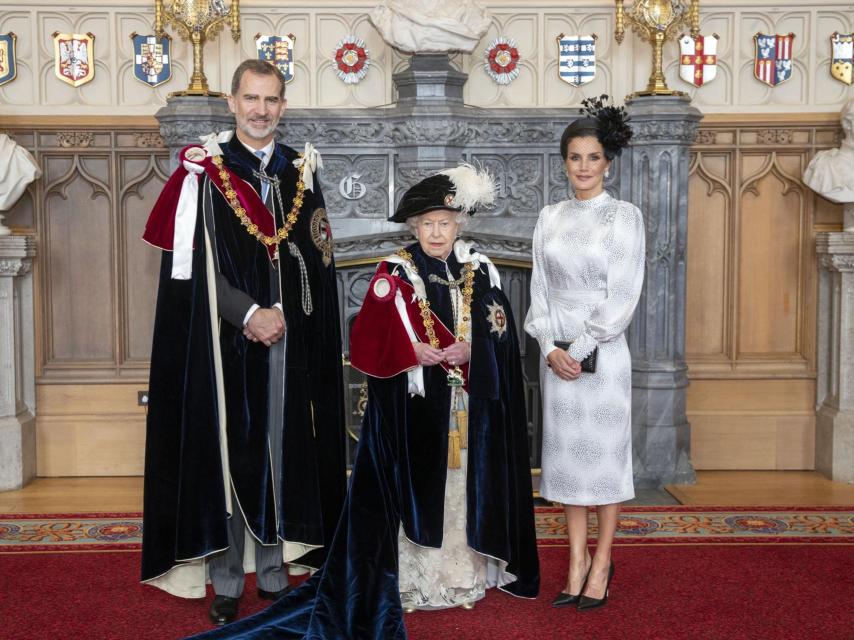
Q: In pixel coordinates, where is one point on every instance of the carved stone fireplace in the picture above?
(371, 156)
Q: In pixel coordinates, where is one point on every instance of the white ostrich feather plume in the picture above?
(472, 188)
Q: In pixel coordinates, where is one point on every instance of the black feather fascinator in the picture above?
(612, 123)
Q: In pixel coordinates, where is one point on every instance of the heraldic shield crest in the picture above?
(841, 59)
(74, 57)
(279, 51)
(773, 61)
(577, 59)
(8, 65)
(698, 61)
(152, 61)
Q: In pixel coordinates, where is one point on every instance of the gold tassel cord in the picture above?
(462, 417)
(454, 460)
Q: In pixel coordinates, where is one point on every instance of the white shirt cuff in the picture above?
(249, 313)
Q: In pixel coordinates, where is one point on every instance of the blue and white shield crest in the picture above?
(152, 59)
(577, 58)
(279, 51)
(8, 67)
(772, 63)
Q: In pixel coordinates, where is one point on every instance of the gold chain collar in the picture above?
(424, 305)
(231, 195)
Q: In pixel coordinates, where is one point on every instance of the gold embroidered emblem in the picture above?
(321, 234)
(497, 319)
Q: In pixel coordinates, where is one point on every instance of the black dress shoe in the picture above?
(564, 599)
(223, 610)
(586, 602)
(273, 595)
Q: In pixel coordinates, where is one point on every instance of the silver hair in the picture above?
(462, 221)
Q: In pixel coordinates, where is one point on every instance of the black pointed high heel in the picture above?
(586, 602)
(564, 599)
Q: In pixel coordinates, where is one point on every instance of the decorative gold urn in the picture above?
(198, 21)
(657, 21)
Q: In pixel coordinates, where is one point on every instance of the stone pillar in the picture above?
(17, 363)
(185, 118)
(834, 428)
(431, 125)
(656, 179)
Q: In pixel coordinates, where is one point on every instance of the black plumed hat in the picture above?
(462, 188)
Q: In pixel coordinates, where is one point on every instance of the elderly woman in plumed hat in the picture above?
(439, 506)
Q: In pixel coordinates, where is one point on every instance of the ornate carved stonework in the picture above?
(490, 132)
(707, 136)
(148, 139)
(373, 246)
(355, 186)
(840, 263)
(775, 136)
(181, 134)
(663, 132)
(334, 133)
(14, 267)
(69, 139)
(450, 132)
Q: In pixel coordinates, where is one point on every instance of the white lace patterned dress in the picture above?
(587, 276)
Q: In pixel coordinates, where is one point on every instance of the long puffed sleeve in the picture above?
(537, 323)
(625, 247)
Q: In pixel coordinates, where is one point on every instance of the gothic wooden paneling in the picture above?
(95, 289)
(706, 314)
(142, 177)
(750, 335)
(77, 234)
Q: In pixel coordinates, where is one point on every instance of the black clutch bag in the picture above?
(588, 365)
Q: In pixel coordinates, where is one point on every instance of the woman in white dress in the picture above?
(588, 270)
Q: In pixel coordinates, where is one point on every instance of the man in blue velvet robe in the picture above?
(245, 431)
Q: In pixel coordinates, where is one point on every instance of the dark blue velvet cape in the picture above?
(399, 476)
(184, 502)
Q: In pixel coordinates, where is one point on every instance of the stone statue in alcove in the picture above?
(17, 170)
(431, 26)
(831, 172)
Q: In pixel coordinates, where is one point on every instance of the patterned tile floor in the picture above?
(30, 533)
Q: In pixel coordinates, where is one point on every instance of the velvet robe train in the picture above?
(184, 504)
(399, 477)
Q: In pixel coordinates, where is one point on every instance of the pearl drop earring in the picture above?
(607, 172)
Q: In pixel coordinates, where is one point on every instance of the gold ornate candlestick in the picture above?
(197, 21)
(657, 21)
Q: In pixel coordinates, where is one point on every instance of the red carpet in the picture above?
(671, 590)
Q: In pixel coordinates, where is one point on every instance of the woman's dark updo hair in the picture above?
(607, 123)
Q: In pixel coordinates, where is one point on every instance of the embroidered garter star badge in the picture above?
(321, 234)
(497, 318)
